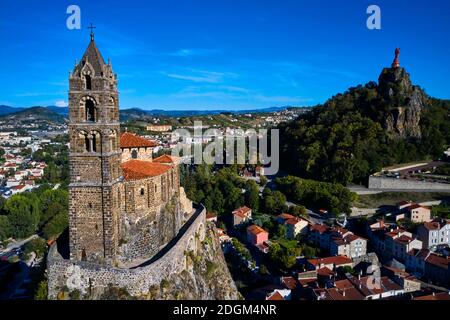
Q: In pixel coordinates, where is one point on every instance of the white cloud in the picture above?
(201, 76)
(193, 52)
(61, 104)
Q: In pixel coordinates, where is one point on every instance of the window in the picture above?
(134, 154)
(90, 111)
(88, 83)
(94, 143)
(87, 143)
(142, 191)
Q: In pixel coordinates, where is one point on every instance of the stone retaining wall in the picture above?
(392, 183)
(84, 276)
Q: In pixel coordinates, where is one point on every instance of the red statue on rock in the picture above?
(396, 63)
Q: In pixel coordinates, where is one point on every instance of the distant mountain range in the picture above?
(125, 114)
(51, 113)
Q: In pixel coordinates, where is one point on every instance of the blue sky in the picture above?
(221, 54)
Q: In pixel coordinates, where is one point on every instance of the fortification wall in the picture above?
(84, 276)
(392, 183)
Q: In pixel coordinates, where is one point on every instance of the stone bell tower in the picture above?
(95, 172)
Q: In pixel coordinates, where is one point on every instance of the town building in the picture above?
(241, 216)
(338, 241)
(257, 236)
(159, 128)
(294, 225)
(434, 233)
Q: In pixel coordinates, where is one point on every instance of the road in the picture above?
(17, 244)
(368, 212)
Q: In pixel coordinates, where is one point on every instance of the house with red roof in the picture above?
(338, 241)
(329, 262)
(360, 288)
(256, 235)
(241, 216)
(294, 225)
(434, 233)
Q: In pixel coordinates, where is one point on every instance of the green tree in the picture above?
(36, 245)
(5, 228)
(252, 195)
(56, 226)
(41, 291)
(23, 214)
(298, 211)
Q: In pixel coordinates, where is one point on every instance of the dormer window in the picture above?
(88, 82)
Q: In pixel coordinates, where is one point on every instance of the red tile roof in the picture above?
(325, 272)
(404, 239)
(435, 224)
(438, 261)
(242, 212)
(436, 296)
(289, 282)
(166, 159)
(338, 260)
(137, 169)
(319, 228)
(130, 140)
(285, 216)
(254, 229)
(275, 296)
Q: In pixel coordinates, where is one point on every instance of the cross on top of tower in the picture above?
(91, 26)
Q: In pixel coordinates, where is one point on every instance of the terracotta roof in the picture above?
(130, 140)
(289, 282)
(404, 239)
(395, 232)
(403, 203)
(325, 272)
(338, 260)
(242, 212)
(415, 206)
(343, 284)
(438, 261)
(254, 229)
(211, 215)
(319, 228)
(137, 169)
(436, 296)
(293, 221)
(285, 216)
(166, 159)
(276, 296)
(435, 224)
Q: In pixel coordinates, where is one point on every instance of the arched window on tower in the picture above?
(94, 142)
(88, 82)
(87, 143)
(90, 111)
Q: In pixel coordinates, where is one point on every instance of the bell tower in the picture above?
(95, 172)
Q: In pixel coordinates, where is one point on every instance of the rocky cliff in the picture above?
(206, 276)
(403, 101)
